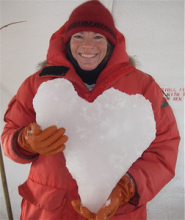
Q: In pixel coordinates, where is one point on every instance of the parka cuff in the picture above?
(21, 152)
(135, 199)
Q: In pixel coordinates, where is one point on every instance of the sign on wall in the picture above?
(174, 93)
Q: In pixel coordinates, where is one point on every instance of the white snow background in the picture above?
(105, 137)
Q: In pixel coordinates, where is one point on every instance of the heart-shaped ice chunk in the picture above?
(105, 137)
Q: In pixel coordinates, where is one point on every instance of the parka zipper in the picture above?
(87, 96)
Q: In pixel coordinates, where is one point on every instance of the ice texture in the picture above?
(105, 137)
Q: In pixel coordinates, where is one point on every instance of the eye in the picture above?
(77, 36)
(98, 36)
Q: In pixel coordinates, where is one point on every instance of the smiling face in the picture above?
(88, 49)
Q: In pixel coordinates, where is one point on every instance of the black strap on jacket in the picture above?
(54, 70)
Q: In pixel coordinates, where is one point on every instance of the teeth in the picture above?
(88, 55)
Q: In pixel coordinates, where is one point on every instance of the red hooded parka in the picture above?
(50, 188)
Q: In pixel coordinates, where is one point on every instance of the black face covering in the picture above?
(89, 76)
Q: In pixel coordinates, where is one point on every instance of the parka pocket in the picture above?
(42, 196)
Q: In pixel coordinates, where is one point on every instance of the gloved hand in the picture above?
(120, 195)
(82, 210)
(48, 142)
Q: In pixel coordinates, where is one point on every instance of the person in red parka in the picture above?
(90, 52)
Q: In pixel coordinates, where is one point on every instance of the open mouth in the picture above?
(87, 55)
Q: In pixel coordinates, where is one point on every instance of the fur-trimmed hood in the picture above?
(56, 55)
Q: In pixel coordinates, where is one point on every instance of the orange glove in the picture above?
(120, 195)
(47, 142)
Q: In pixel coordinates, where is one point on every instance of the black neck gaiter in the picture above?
(89, 76)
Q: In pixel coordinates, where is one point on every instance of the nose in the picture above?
(88, 43)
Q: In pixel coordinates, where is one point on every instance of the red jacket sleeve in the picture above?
(156, 167)
(20, 113)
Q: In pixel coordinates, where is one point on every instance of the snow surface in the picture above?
(105, 137)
